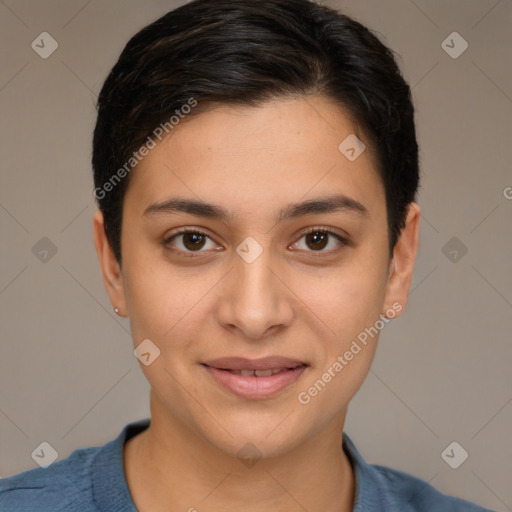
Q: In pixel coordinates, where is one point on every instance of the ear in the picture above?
(112, 275)
(402, 263)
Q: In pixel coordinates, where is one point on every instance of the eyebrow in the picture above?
(201, 208)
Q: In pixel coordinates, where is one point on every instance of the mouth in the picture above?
(256, 378)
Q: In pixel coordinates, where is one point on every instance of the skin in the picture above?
(299, 299)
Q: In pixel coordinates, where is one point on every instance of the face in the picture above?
(284, 271)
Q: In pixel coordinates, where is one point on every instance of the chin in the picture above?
(256, 437)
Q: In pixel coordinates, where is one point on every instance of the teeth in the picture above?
(258, 373)
(263, 373)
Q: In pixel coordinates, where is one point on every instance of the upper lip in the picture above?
(242, 363)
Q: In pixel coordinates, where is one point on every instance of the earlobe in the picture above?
(110, 269)
(402, 264)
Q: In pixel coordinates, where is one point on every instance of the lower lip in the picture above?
(254, 387)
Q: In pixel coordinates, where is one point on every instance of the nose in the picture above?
(254, 298)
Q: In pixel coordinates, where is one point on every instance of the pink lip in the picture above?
(255, 387)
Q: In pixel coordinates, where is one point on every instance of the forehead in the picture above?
(248, 156)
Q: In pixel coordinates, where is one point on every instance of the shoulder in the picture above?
(384, 489)
(416, 495)
(64, 485)
(89, 480)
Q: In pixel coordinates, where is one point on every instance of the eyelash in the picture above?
(193, 254)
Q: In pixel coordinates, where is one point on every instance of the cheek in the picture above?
(164, 303)
(350, 304)
(152, 295)
(346, 352)
(347, 299)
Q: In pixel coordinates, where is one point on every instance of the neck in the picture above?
(168, 467)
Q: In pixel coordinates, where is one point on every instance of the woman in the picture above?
(256, 167)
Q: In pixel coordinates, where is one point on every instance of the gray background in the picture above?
(442, 372)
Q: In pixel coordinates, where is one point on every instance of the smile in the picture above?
(255, 379)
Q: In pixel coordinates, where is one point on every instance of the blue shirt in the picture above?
(92, 480)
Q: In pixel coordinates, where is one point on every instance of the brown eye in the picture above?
(316, 240)
(192, 241)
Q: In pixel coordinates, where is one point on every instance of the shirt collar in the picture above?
(109, 487)
(371, 492)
